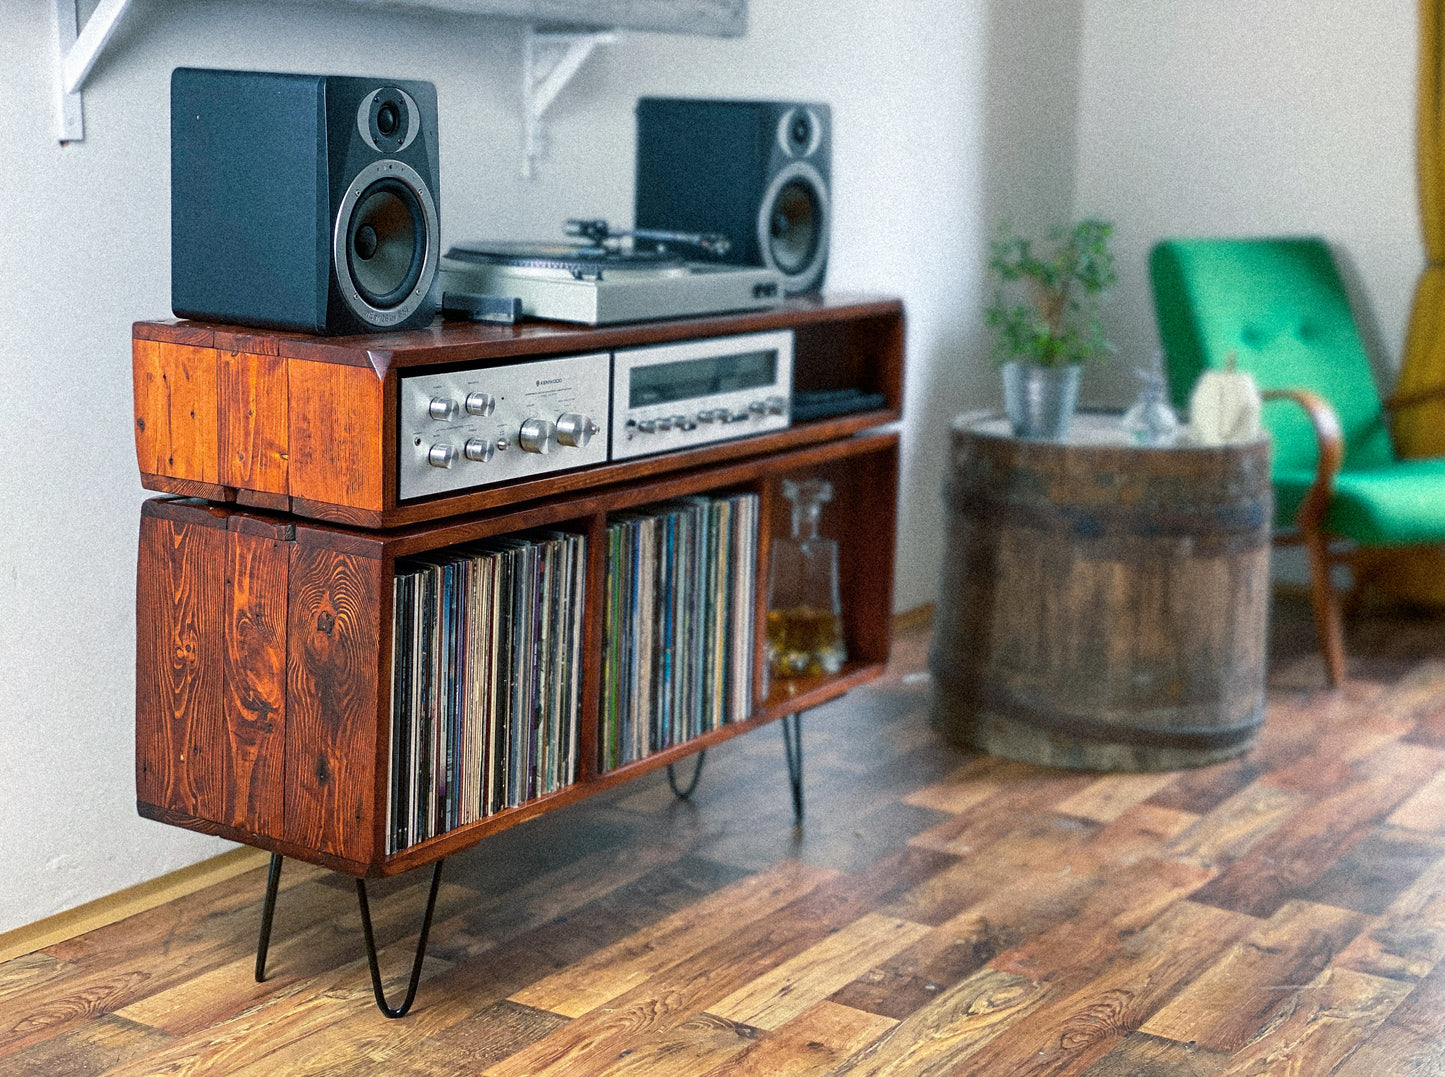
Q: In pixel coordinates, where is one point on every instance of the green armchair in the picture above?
(1279, 307)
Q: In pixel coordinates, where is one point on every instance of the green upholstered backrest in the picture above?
(1279, 306)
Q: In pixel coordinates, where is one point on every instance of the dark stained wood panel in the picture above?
(255, 668)
(333, 720)
(181, 747)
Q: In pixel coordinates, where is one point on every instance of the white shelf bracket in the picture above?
(76, 50)
(549, 60)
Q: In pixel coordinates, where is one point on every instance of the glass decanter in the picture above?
(805, 622)
(1151, 421)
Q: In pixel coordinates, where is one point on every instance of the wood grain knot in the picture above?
(325, 622)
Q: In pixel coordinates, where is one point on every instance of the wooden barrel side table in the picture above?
(1103, 605)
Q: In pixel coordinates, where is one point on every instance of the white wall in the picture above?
(1217, 117)
(934, 130)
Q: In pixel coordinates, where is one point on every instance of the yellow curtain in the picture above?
(1420, 431)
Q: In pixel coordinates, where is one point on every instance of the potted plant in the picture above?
(1045, 314)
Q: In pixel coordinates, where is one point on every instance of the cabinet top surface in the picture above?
(445, 341)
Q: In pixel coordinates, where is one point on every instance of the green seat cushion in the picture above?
(1397, 504)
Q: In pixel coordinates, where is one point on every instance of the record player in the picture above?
(604, 279)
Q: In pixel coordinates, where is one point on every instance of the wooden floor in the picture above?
(938, 913)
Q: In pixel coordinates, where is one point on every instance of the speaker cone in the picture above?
(793, 227)
(386, 243)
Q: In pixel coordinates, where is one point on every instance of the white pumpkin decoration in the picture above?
(1225, 407)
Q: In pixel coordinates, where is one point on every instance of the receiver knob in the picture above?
(443, 408)
(537, 435)
(440, 455)
(575, 429)
(479, 449)
(482, 404)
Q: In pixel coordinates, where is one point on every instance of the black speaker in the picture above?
(754, 171)
(304, 202)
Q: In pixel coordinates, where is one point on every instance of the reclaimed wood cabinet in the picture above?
(265, 612)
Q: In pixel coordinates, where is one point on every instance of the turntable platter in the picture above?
(586, 258)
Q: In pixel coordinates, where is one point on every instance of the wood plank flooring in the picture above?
(938, 913)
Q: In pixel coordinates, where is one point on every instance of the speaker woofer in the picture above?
(386, 243)
(793, 226)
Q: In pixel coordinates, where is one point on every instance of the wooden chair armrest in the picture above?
(1331, 441)
(1400, 401)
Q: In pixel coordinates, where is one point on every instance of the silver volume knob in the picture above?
(478, 449)
(482, 404)
(440, 455)
(443, 408)
(537, 435)
(575, 430)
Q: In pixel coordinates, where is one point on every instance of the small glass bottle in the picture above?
(805, 622)
(1151, 421)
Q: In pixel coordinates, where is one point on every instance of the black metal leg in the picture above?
(793, 745)
(268, 912)
(431, 902)
(683, 794)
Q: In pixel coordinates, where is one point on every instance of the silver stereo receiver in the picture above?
(678, 396)
(501, 423)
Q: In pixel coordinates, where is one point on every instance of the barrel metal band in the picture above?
(1234, 527)
(1082, 727)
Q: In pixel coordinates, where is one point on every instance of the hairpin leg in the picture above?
(431, 901)
(683, 794)
(793, 745)
(268, 912)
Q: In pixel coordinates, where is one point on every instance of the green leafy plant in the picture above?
(1055, 322)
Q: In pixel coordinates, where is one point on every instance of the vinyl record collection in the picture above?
(486, 687)
(678, 623)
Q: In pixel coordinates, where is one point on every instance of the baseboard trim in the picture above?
(133, 899)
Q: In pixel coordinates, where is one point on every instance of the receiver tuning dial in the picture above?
(575, 429)
(537, 435)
